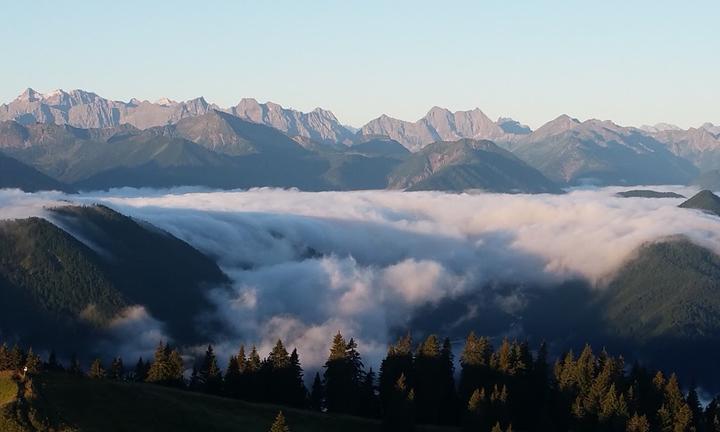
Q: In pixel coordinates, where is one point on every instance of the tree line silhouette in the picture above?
(510, 387)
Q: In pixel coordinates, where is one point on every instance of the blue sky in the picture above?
(635, 62)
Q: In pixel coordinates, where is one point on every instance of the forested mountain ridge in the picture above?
(468, 164)
(15, 174)
(75, 280)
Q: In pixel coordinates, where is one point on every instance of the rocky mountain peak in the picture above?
(29, 95)
(512, 126)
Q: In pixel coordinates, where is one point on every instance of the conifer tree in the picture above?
(167, 367)
(399, 361)
(33, 363)
(274, 372)
(96, 370)
(368, 396)
(117, 369)
(279, 425)
(4, 357)
(475, 365)
(255, 392)
(711, 416)
(400, 415)
(540, 366)
(675, 415)
(448, 395)
(158, 371)
(282, 377)
(474, 417)
(638, 423)
(564, 372)
(356, 364)
(175, 368)
(429, 384)
(296, 387)
(241, 359)
(52, 363)
(341, 377)
(209, 373)
(194, 383)
(16, 358)
(243, 384)
(141, 371)
(693, 401)
(497, 428)
(503, 359)
(75, 368)
(232, 378)
(317, 394)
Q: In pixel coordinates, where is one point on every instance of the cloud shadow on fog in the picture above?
(286, 258)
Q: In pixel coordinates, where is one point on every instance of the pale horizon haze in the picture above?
(635, 63)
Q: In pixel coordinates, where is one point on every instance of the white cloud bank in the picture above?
(306, 265)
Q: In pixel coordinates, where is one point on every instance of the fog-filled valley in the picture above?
(302, 266)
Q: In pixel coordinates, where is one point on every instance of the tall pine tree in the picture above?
(209, 374)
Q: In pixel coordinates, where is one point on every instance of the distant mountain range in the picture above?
(439, 124)
(87, 110)
(83, 140)
(573, 152)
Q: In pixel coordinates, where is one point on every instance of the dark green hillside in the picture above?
(225, 133)
(671, 289)
(71, 158)
(381, 147)
(705, 201)
(53, 285)
(149, 266)
(15, 174)
(490, 175)
(134, 151)
(351, 171)
(468, 164)
(664, 306)
(43, 265)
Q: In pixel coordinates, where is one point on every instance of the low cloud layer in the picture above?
(306, 265)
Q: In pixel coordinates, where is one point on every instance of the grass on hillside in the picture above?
(8, 388)
(100, 405)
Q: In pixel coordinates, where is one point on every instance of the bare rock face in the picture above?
(698, 145)
(572, 152)
(512, 126)
(318, 125)
(439, 124)
(713, 129)
(87, 110)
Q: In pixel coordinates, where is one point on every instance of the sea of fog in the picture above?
(306, 265)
